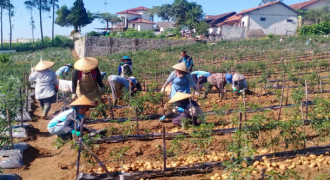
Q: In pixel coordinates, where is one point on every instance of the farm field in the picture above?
(243, 136)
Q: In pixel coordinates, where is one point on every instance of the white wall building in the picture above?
(271, 18)
(312, 4)
(136, 18)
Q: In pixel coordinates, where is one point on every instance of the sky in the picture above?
(22, 28)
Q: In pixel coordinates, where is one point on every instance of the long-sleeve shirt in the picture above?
(64, 122)
(180, 84)
(201, 73)
(75, 78)
(172, 76)
(46, 82)
(63, 70)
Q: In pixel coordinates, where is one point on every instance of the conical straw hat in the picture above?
(43, 65)
(181, 66)
(86, 64)
(180, 96)
(83, 101)
(238, 76)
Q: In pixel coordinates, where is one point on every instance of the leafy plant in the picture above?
(202, 137)
(118, 154)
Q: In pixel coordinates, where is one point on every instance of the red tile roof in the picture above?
(140, 20)
(265, 5)
(303, 4)
(231, 20)
(133, 10)
(213, 20)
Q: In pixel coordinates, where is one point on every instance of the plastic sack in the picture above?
(10, 177)
(65, 85)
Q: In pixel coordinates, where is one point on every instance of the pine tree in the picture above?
(78, 16)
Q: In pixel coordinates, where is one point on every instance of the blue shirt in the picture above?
(201, 73)
(62, 70)
(180, 84)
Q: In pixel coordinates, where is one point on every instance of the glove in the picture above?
(162, 118)
(234, 90)
(180, 109)
(162, 90)
(77, 133)
(102, 90)
(74, 96)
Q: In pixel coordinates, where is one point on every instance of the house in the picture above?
(312, 4)
(135, 18)
(162, 26)
(213, 20)
(271, 18)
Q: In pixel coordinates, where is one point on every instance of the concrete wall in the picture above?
(276, 22)
(232, 33)
(103, 46)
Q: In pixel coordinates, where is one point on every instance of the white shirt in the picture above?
(46, 82)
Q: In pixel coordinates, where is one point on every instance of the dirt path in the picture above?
(43, 160)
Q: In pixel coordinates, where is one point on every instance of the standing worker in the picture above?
(46, 85)
(186, 59)
(63, 71)
(181, 80)
(63, 124)
(187, 109)
(87, 80)
(125, 68)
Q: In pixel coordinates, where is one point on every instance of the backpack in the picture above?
(126, 70)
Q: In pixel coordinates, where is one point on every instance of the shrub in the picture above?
(92, 33)
(315, 29)
(4, 58)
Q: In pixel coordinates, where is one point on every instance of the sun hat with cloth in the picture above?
(82, 101)
(86, 64)
(181, 67)
(43, 65)
(238, 77)
(180, 96)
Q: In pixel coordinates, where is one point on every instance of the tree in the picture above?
(2, 7)
(316, 15)
(42, 6)
(267, 1)
(10, 14)
(29, 6)
(202, 27)
(54, 6)
(77, 16)
(108, 18)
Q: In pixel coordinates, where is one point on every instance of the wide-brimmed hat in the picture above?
(126, 57)
(180, 96)
(181, 66)
(86, 64)
(238, 76)
(82, 101)
(43, 65)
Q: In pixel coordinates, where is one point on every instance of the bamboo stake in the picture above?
(80, 146)
(287, 95)
(137, 124)
(164, 148)
(96, 158)
(306, 90)
(279, 112)
(10, 129)
(244, 105)
(302, 119)
(321, 87)
(26, 94)
(21, 104)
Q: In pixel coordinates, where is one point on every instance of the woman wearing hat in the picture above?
(64, 70)
(46, 83)
(125, 68)
(63, 124)
(186, 108)
(86, 79)
(181, 80)
(239, 83)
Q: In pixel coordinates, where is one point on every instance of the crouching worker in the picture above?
(117, 83)
(219, 81)
(63, 124)
(238, 81)
(185, 109)
(200, 78)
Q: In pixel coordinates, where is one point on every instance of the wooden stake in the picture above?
(287, 95)
(164, 148)
(21, 104)
(10, 129)
(26, 94)
(306, 90)
(191, 109)
(111, 108)
(244, 105)
(303, 122)
(80, 146)
(321, 87)
(137, 124)
(281, 100)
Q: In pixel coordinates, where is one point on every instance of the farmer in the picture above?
(238, 81)
(181, 80)
(125, 68)
(64, 70)
(219, 81)
(63, 124)
(187, 59)
(186, 108)
(87, 80)
(200, 77)
(117, 83)
(46, 85)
